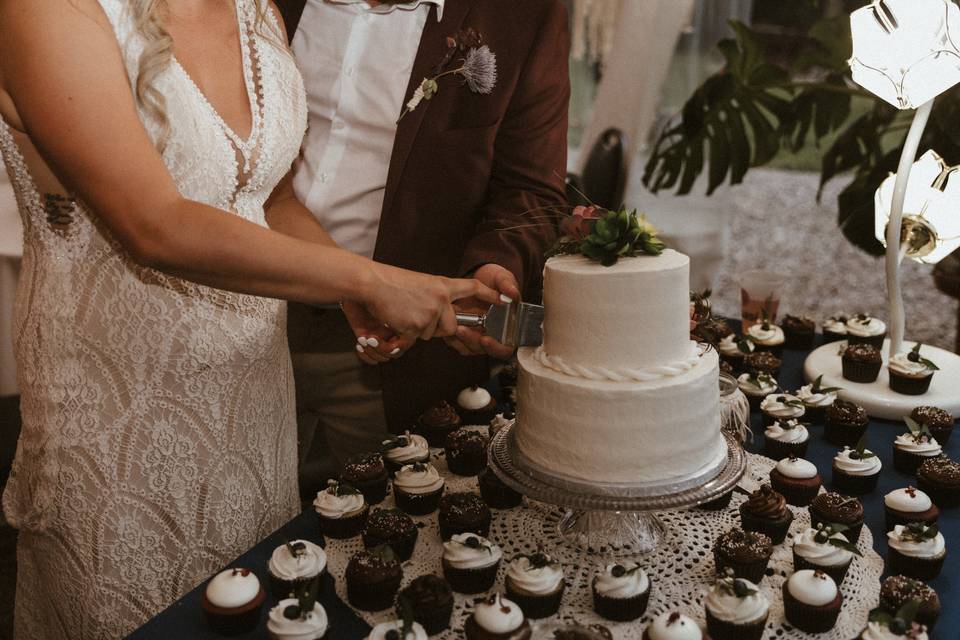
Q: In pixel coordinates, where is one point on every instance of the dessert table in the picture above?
(184, 619)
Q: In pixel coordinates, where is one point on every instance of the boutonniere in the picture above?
(477, 69)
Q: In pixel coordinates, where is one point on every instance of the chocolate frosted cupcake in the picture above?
(373, 578)
(786, 438)
(417, 488)
(781, 407)
(767, 337)
(497, 618)
(535, 582)
(393, 528)
(937, 421)
(745, 552)
(816, 398)
(811, 601)
(437, 422)
(500, 422)
(429, 601)
(299, 617)
(834, 508)
(865, 329)
(799, 333)
(911, 373)
(898, 590)
(835, 327)
(917, 550)
(466, 452)
(856, 471)
(673, 625)
(940, 479)
(341, 510)
(495, 493)
(733, 349)
(912, 449)
(232, 601)
(846, 423)
(861, 363)
(476, 406)
(762, 362)
(825, 549)
(400, 451)
(906, 506)
(757, 387)
(736, 609)
(797, 480)
(470, 563)
(368, 473)
(621, 592)
(463, 513)
(766, 512)
(293, 566)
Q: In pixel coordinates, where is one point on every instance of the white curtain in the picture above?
(11, 248)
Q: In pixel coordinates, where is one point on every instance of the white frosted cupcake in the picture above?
(757, 387)
(910, 450)
(911, 373)
(291, 620)
(909, 505)
(856, 471)
(535, 582)
(884, 630)
(917, 550)
(621, 592)
(232, 600)
(781, 407)
(394, 630)
(835, 327)
(865, 329)
(767, 337)
(797, 480)
(417, 488)
(816, 398)
(409, 448)
(470, 563)
(786, 438)
(673, 625)
(497, 618)
(294, 565)
(825, 549)
(733, 348)
(736, 610)
(476, 406)
(341, 510)
(811, 601)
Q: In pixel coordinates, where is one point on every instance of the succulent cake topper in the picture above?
(902, 622)
(860, 452)
(825, 533)
(735, 586)
(914, 356)
(605, 236)
(306, 597)
(817, 388)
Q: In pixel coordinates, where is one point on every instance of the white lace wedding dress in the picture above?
(159, 434)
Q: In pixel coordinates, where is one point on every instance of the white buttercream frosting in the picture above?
(727, 606)
(460, 554)
(330, 505)
(305, 563)
(927, 447)
(416, 449)
(535, 580)
(626, 582)
(880, 631)
(865, 327)
(908, 500)
(797, 468)
(233, 588)
(730, 346)
(674, 626)
(418, 479)
(857, 466)
(822, 554)
(836, 324)
(791, 431)
(379, 632)
(310, 626)
(781, 409)
(812, 588)
(902, 365)
(474, 398)
(621, 374)
(499, 616)
(757, 386)
(925, 549)
(767, 334)
(812, 399)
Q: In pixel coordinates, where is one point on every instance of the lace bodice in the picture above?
(159, 436)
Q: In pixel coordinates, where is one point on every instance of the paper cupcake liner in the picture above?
(375, 596)
(467, 464)
(436, 436)
(779, 450)
(925, 569)
(342, 528)
(471, 581)
(281, 589)
(499, 496)
(893, 518)
(843, 435)
(796, 494)
(776, 529)
(941, 434)
(809, 618)
(417, 504)
(723, 630)
(403, 547)
(837, 572)
(753, 571)
(755, 400)
(815, 414)
(232, 623)
(860, 371)
(830, 336)
(621, 609)
(854, 485)
(942, 496)
(906, 462)
(909, 386)
(434, 620)
(536, 606)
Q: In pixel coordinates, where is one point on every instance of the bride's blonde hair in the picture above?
(157, 55)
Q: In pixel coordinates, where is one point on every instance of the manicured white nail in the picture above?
(362, 341)
(505, 298)
(359, 349)
(395, 351)
(373, 342)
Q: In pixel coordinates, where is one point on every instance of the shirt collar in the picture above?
(404, 6)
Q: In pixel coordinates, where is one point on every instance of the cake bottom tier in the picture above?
(658, 432)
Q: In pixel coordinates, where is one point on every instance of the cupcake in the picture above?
(535, 583)
(495, 493)
(476, 406)
(621, 592)
(837, 509)
(845, 423)
(816, 398)
(856, 471)
(766, 512)
(497, 618)
(762, 362)
(400, 451)
(906, 506)
(733, 349)
(463, 513)
(736, 609)
(916, 550)
(825, 549)
(745, 552)
(300, 617)
(232, 601)
(786, 438)
(398, 630)
(295, 565)
(373, 577)
(861, 363)
(428, 600)
(437, 422)
(865, 329)
(470, 563)
(911, 373)
(898, 590)
(368, 473)
(937, 421)
(766, 336)
(797, 480)
(781, 407)
(756, 387)
(910, 450)
(393, 528)
(575, 631)
(884, 626)
(673, 625)
(835, 328)
(341, 510)
(500, 422)
(466, 452)
(811, 601)
(939, 478)
(417, 488)
(798, 332)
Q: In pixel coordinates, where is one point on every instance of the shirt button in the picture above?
(324, 177)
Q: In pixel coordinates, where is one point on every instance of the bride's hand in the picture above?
(415, 304)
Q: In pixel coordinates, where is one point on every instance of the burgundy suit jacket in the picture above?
(471, 176)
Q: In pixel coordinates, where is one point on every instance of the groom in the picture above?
(465, 183)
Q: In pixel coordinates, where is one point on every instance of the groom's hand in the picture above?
(375, 342)
(471, 341)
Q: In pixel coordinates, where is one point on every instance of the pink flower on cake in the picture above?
(576, 226)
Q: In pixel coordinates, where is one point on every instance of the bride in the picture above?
(144, 139)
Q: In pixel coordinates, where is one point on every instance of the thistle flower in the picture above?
(479, 69)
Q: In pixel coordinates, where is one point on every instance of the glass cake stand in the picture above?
(614, 518)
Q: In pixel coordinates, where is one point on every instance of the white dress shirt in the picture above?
(356, 62)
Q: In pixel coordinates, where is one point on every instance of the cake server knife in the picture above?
(517, 324)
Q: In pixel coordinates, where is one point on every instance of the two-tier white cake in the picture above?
(618, 393)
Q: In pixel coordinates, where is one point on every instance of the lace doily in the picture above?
(681, 569)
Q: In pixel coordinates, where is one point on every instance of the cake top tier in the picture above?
(634, 314)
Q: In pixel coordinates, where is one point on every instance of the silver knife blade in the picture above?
(514, 324)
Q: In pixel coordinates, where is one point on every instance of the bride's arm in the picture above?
(63, 69)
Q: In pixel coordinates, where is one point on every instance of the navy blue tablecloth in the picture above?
(184, 620)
